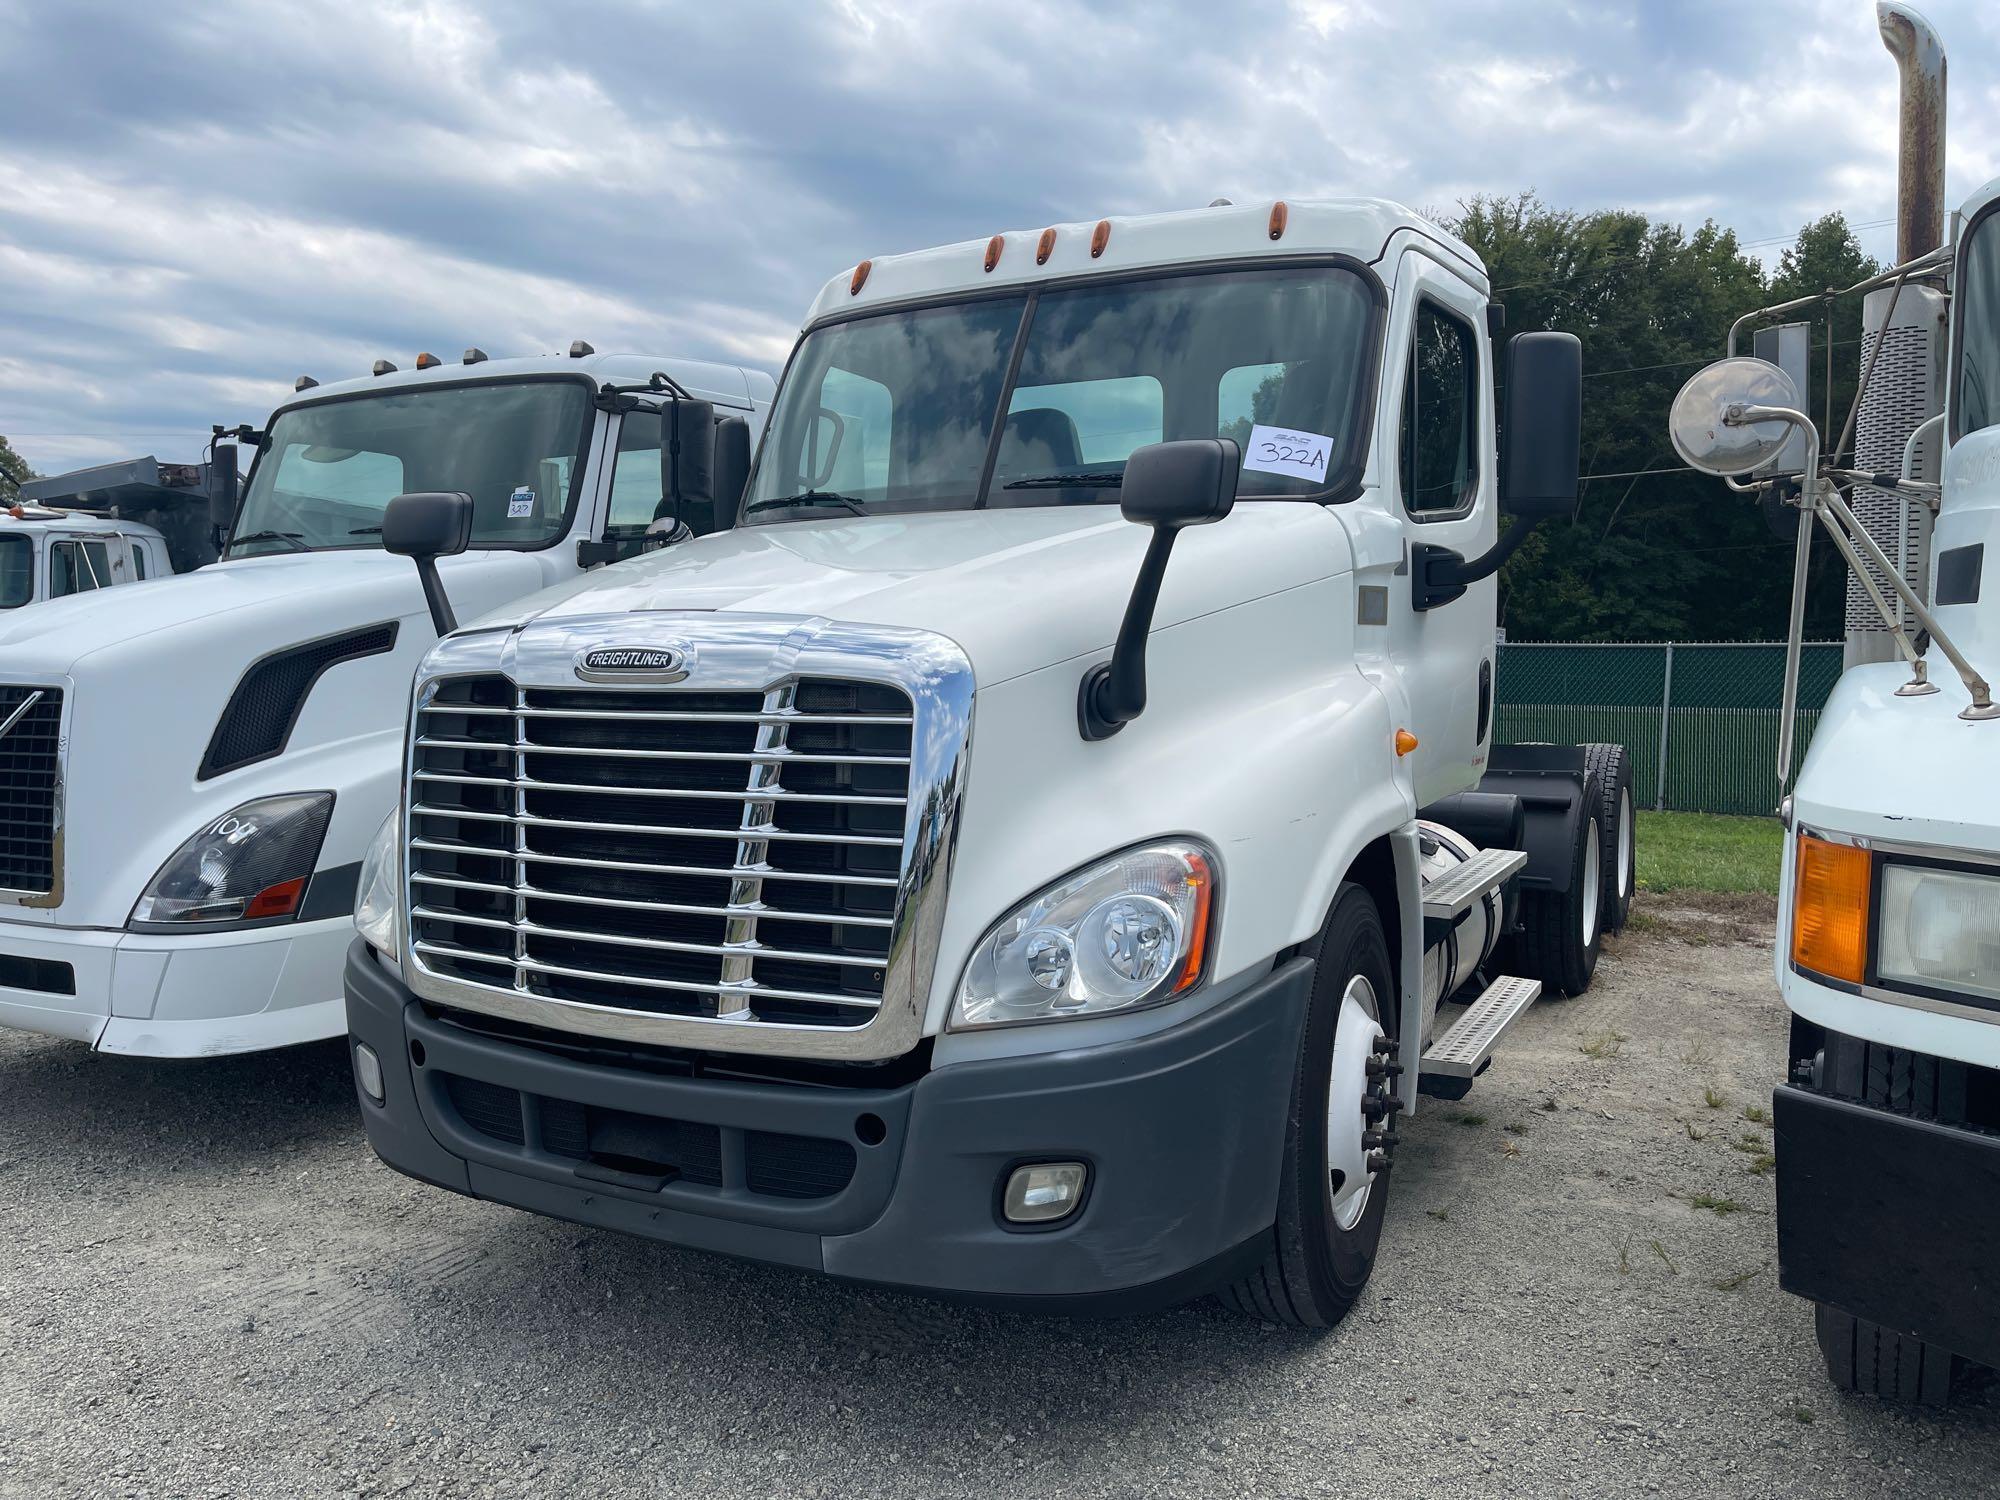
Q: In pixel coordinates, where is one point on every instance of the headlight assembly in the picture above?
(1940, 929)
(250, 865)
(1129, 932)
(375, 907)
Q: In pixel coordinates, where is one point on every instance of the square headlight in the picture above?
(1940, 929)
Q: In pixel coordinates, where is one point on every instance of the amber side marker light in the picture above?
(1202, 881)
(1831, 891)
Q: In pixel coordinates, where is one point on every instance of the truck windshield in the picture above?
(331, 469)
(896, 412)
(17, 570)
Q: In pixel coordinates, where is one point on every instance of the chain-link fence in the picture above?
(1700, 719)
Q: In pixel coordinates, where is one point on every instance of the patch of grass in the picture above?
(1720, 1207)
(1755, 1115)
(1803, 1415)
(1604, 1044)
(1440, 1214)
(1698, 1055)
(1749, 1143)
(1515, 1127)
(1624, 1260)
(1661, 1251)
(1763, 1164)
(1469, 1121)
(1740, 1279)
(1712, 1099)
(1707, 852)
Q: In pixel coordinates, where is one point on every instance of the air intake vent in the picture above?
(717, 856)
(259, 716)
(30, 778)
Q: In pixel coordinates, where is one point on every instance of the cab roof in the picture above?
(35, 517)
(726, 385)
(1368, 229)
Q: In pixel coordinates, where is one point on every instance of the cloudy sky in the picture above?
(199, 201)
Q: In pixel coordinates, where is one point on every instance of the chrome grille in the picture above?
(730, 856)
(30, 788)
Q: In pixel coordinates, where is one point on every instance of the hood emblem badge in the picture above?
(635, 663)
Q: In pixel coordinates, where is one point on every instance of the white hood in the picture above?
(1016, 589)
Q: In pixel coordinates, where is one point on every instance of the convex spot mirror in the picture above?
(1541, 434)
(1699, 423)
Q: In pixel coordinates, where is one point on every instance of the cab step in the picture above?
(1459, 1055)
(1447, 898)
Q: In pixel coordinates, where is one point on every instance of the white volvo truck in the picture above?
(1039, 850)
(1887, 1131)
(190, 771)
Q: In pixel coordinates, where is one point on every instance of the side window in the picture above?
(78, 567)
(1055, 429)
(1978, 393)
(17, 570)
(138, 562)
(1438, 449)
(635, 474)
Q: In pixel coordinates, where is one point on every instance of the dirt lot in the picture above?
(210, 1287)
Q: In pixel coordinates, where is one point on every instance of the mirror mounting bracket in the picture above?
(1439, 575)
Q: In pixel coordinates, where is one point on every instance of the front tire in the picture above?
(1870, 1360)
(1334, 1184)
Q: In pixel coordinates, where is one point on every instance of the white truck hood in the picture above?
(1016, 589)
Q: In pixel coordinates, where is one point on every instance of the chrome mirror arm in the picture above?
(1795, 631)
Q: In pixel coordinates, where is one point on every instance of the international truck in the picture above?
(190, 770)
(50, 553)
(1887, 1125)
(1041, 849)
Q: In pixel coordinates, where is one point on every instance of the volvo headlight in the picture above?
(1129, 932)
(1940, 929)
(250, 865)
(375, 908)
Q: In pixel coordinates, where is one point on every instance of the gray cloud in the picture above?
(197, 204)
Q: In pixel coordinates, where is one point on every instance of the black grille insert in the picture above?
(30, 779)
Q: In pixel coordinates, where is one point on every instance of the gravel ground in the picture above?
(212, 1288)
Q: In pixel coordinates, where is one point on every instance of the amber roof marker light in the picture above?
(1279, 215)
(994, 247)
(860, 278)
(1099, 238)
(1045, 247)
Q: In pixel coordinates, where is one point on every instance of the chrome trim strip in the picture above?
(537, 893)
(765, 654)
(653, 869)
(665, 830)
(692, 794)
(789, 757)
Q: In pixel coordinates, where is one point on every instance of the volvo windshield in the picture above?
(914, 410)
(329, 470)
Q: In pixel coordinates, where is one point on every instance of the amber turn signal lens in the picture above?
(1202, 882)
(1830, 897)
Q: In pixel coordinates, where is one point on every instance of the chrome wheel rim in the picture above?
(1355, 1040)
(1593, 882)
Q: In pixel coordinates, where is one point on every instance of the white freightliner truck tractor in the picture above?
(1040, 849)
(1887, 1131)
(190, 771)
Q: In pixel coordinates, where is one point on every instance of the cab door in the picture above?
(1440, 478)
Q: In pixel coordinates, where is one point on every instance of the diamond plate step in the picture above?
(1445, 898)
(1462, 1051)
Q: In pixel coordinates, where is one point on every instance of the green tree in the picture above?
(1655, 552)
(13, 470)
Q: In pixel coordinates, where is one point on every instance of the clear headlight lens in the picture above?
(1940, 929)
(1131, 931)
(250, 865)
(375, 907)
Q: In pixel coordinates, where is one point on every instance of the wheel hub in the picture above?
(1361, 1105)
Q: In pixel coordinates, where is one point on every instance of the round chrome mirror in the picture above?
(1699, 424)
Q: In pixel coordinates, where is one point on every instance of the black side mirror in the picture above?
(222, 486)
(1167, 486)
(424, 527)
(687, 460)
(732, 470)
(1542, 432)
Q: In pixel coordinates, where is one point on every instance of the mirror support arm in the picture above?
(1439, 575)
(1113, 693)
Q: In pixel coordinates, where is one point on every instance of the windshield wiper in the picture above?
(805, 498)
(295, 538)
(364, 531)
(1101, 480)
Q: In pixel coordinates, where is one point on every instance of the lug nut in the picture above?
(1378, 1161)
(1378, 1139)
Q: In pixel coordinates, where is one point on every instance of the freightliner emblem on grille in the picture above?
(635, 663)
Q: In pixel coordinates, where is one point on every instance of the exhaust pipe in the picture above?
(1920, 128)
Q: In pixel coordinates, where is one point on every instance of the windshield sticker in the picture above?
(1282, 450)
(521, 504)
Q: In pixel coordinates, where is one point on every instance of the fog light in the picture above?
(368, 1068)
(1043, 1193)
